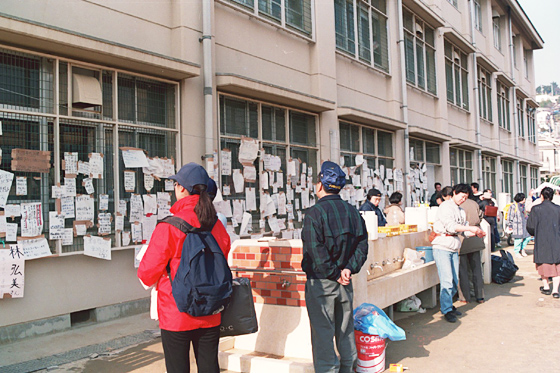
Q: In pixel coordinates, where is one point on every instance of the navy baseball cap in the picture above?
(212, 188)
(332, 177)
(190, 175)
(374, 193)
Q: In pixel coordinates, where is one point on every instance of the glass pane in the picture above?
(420, 64)
(273, 123)
(271, 9)
(432, 153)
(238, 117)
(308, 156)
(431, 69)
(453, 157)
(298, 15)
(363, 35)
(465, 87)
(380, 41)
(409, 58)
(384, 144)
(388, 163)
(449, 81)
(302, 129)
(368, 140)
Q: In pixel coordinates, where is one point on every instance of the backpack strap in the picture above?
(185, 227)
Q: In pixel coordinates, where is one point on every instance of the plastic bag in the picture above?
(410, 304)
(372, 320)
(412, 258)
(503, 267)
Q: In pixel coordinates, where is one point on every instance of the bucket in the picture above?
(371, 352)
(429, 254)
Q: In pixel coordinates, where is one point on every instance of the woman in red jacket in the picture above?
(179, 329)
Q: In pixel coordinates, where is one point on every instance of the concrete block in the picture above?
(115, 311)
(248, 362)
(12, 333)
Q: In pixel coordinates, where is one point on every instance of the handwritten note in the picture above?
(70, 164)
(31, 219)
(56, 226)
(67, 237)
(12, 210)
(163, 204)
(169, 185)
(148, 226)
(136, 229)
(35, 248)
(136, 208)
(225, 162)
(88, 184)
(119, 223)
(83, 168)
(12, 265)
(104, 223)
(6, 179)
(57, 191)
(125, 238)
(96, 165)
(69, 187)
(134, 158)
(21, 186)
(148, 182)
(103, 202)
(248, 150)
(122, 207)
(67, 207)
(11, 232)
(150, 204)
(129, 181)
(84, 207)
(97, 247)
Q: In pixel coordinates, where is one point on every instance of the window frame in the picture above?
(460, 170)
(497, 33)
(477, 16)
(504, 119)
(424, 149)
(520, 118)
(485, 94)
(507, 180)
(375, 155)
(523, 178)
(458, 77)
(531, 124)
(489, 171)
(534, 175)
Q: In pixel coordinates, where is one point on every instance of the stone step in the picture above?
(244, 361)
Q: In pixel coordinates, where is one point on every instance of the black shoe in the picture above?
(455, 312)
(556, 295)
(545, 291)
(450, 317)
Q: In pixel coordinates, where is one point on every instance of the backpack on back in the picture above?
(202, 284)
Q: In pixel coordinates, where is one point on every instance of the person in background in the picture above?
(372, 204)
(447, 193)
(475, 195)
(517, 221)
(394, 212)
(179, 329)
(450, 222)
(544, 223)
(490, 217)
(335, 246)
(433, 198)
(469, 255)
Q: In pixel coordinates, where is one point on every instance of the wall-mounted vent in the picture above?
(86, 91)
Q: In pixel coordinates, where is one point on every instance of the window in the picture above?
(526, 62)
(146, 121)
(531, 129)
(507, 181)
(489, 172)
(503, 107)
(514, 50)
(297, 13)
(375, 145)
(461, 166)
(420, 53)
(477, 15)
(520, 118)
(523, 179)
(456, 74)
(453, 2)
(497, 33)
(424, 151)
(534, 177)
(281, 132)
(485, 94)
(371, 31)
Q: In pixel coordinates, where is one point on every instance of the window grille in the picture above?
(461, 166)
(456, 72)
(507, 181)
(531, 129)
(356, 139)
(523, 179)
(477, 15)
(535, 179)
(485, 94)
(497, 33)
(503, 107)
(489, 172)
(520, 118)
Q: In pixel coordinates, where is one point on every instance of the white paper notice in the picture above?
(11, 232)
(104, 223)
(96, 165)
(238, 181)
(122, 207)
(148, 182)
(103, 202)
(245, 224)
(12, 210)
(248, 150)
(169, 185)
(273, 224)
(35, 248)
(69, 187)
(21, 186)
(119, 223)
(226, 190)
(81, 229)
(88, 184)
(148, 225)
(264, 181)
(57, 192)
(125, 238)
(238, 209)
(164, 204)
(136, 208)
(67, 207)
(6, 179)
(70, 163)
(129, 181)
(250, 199)
(31, 219)
(291, 168)
(134, 158)
(12, 274)
(225, 162)
(84, 207)
(67, 237)
(83, 168)
(150, 204)
(97, 247)
(56, 226)
(136, 229)
(250, 173)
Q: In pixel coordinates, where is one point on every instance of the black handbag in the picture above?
(503, 268)
(239, 317)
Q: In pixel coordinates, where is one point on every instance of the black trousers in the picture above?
(472, 261)
(176, 346)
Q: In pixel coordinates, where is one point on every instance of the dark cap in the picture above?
(332, 177)
(212, 188)
(190, 175)
(374, 193)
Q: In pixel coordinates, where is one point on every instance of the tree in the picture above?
(555, 88)
(539, 90)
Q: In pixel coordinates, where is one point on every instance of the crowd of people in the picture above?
(335, 247)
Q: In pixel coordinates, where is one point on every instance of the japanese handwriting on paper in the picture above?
(6, 179)
(21, 186)
(31, 219)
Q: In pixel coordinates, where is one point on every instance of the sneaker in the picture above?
(450, 317)
(518, 256)
(523, 253)
(499, 245)
(455, 312)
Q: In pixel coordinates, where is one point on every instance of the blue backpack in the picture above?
(202, 284)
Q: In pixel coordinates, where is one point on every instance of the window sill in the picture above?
(289, 29)
(352, 58)
(505, 130)
(456, 107)
(489, 122)
(421, 90)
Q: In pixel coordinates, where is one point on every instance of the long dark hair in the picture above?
(204, 209)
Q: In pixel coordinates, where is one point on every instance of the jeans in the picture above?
(520, 244)
(329, 306)
(447, 263)
(176, 346)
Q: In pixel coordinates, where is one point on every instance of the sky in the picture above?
(545, 15)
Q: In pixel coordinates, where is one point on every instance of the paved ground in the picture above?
(516, 330)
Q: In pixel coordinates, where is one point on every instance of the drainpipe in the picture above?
(208, 80)
(513, 102)
(404, 106)
(476, 98)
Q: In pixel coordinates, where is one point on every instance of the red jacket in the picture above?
(165, 247)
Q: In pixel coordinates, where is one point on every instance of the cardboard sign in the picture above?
(31, 160)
